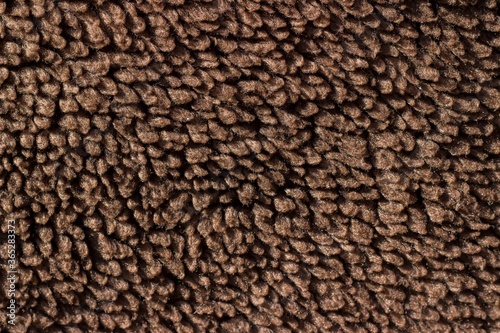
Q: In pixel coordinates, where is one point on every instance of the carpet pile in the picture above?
(264, 166)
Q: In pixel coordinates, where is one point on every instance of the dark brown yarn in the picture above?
(251, 165)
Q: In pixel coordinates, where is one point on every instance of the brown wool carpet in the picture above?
(264, 166)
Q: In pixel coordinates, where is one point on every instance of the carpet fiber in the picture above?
(255, 166)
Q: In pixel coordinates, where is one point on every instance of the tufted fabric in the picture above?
(262, 166)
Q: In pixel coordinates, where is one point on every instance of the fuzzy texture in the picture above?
(251, 165)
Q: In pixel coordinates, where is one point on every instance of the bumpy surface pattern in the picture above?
(252, 165)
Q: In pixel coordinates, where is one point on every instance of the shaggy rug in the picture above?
(263, 166)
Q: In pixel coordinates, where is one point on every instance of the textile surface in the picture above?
(251, 165)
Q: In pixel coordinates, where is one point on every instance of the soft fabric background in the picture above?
(251, 166)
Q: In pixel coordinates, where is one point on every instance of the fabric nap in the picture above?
(263, 166)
